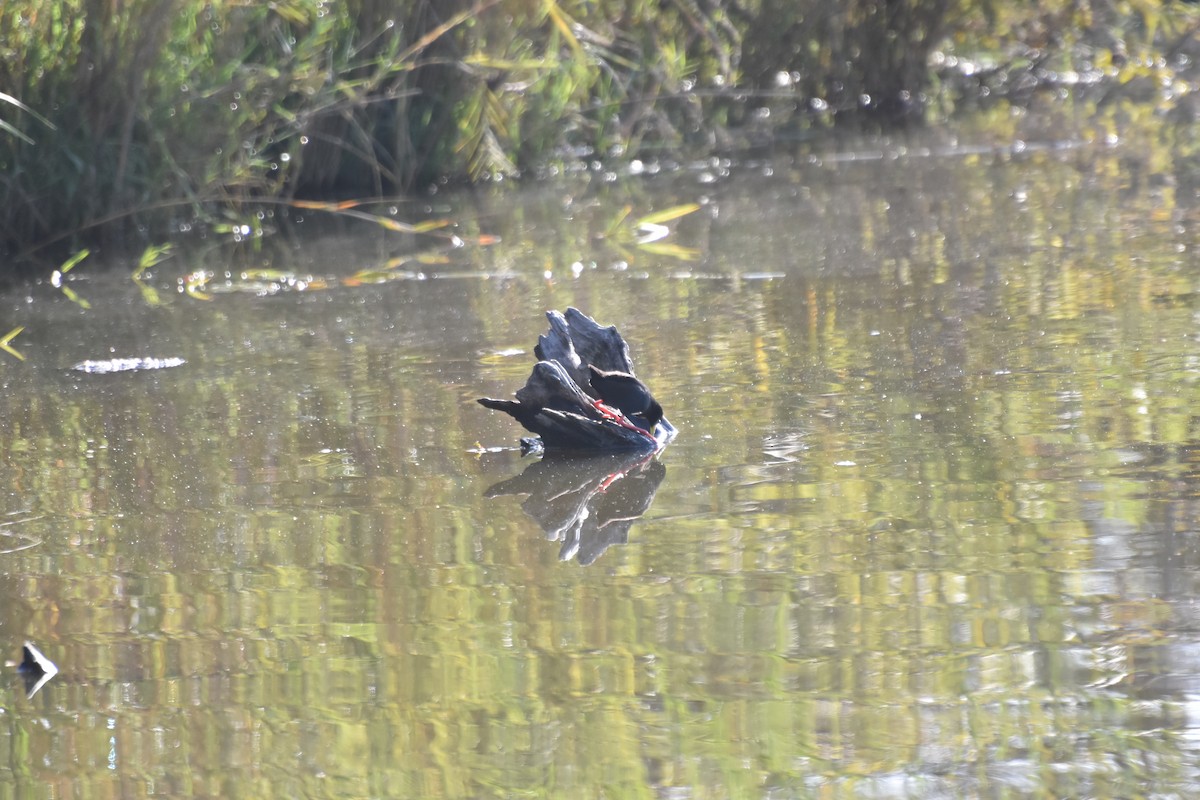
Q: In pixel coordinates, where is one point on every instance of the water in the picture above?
(928, 529)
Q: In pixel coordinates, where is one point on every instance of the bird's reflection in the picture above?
(587, 503)
(35, 669)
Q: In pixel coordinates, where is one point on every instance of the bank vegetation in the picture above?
(123, 123)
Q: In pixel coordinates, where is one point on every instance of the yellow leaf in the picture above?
(668, 214)
(6, 346)
(70, 263)
(432, 258)
(266, 275)
(429, 225)
(153, 255)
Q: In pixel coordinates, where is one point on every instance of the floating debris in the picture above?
(562, 403)
(126, 365)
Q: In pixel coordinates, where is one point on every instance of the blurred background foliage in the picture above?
(149, 116)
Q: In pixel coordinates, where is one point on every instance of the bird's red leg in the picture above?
(612, 415)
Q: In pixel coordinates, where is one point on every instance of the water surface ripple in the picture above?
(928, 528)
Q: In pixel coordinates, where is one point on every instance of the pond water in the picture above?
(929, 527)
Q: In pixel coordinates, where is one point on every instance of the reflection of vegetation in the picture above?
(166, 110)
(893, 543)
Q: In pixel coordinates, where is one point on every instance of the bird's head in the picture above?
(654, 414)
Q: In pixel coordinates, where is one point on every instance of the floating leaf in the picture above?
(668, 214)
(347, 208)
(268, 275)
(320, 205)
(194, 285)
(392, 224)
(432, 258)
(71, 262)
(430, 225)
(151, 256)
(56, 278)
(378, 276)
(6, 343)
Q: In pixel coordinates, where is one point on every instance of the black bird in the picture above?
(625, 392)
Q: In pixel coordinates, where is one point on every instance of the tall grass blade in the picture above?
(8, 98)
(4, 126)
